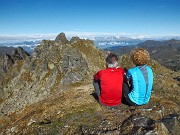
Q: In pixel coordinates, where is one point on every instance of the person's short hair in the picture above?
(111, 58)
(139, 56)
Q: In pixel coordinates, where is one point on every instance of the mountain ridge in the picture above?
(51, 92)
(165, 52)
(52, 65)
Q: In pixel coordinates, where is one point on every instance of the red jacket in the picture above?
(111, 80)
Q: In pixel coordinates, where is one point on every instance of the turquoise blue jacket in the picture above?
(142, 82)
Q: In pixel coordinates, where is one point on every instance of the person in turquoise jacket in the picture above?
(138, 83)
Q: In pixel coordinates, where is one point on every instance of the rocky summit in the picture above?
(50, 92)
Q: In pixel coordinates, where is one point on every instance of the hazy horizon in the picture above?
(84, 35)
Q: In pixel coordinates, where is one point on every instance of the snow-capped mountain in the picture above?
(104, 42)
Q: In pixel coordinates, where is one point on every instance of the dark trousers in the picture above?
(126, 90)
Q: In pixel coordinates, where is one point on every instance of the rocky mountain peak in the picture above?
(52, 67)
(7, 60)
(61, 38)
(73, 39)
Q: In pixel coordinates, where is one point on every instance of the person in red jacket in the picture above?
(108, 82)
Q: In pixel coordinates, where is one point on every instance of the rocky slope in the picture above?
(53, 66)
(51, 92)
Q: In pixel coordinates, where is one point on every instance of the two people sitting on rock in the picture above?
(134, 86)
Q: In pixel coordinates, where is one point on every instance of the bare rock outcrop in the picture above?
(54, 66)
(61, 38)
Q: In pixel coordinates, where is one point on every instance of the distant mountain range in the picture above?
(26, 45)
(166, 52)
(105, 42)
(102, 41)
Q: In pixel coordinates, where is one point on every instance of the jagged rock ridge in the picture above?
(53, 66)
(50, 92)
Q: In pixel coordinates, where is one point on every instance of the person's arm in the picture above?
(97, 76)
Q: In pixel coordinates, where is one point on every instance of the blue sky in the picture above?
(153, 17)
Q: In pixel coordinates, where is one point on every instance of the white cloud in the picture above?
(20, 38)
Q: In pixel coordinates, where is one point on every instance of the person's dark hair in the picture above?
(111, 58)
